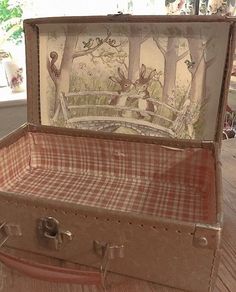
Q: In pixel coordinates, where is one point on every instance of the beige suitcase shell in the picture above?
(118, 169)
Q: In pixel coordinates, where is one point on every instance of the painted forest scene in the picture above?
(154, 79)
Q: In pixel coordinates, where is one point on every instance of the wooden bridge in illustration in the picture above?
(112, 123)
(108, 124)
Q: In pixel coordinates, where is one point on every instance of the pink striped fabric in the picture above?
(14, 162)
(115, 175)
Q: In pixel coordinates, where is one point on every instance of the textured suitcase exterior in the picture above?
(107, 176)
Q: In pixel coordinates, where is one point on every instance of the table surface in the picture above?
(226, 281)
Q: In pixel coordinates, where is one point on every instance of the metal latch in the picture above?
(7, 230)
(207, 236)
(50, 233)
(119, 13)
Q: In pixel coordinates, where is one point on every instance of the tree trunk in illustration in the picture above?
(197, 92)
(66, 65)
(134, 58)
(171, 59)
(198, 87)
(136, 38)
(61, 76)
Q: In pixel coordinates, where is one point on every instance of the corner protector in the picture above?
(207, 236)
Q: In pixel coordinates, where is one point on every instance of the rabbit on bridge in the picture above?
(141, 85)
(138, 88)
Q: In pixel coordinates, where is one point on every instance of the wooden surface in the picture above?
(226, 281)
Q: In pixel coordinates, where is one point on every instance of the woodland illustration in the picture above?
(135, 79)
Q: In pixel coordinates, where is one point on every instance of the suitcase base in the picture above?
(166, 182)
(82, 181)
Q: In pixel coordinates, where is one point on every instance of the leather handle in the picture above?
(51, 273)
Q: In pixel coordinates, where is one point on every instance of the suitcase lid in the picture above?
(164, 76)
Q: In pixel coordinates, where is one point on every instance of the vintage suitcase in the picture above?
(118, 169)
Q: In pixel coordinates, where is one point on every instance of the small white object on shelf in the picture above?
(14, 75)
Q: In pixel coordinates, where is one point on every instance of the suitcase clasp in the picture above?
(53, 235)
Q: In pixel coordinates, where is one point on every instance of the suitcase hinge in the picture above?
(7, 230)
(206, 236)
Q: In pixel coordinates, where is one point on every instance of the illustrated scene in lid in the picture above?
(154, 79)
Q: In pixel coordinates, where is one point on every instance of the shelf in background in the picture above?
(8, 98)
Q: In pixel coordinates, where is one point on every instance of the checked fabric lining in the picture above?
(116, 175)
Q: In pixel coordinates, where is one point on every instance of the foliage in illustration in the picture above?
(135, 79)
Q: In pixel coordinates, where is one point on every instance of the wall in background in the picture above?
(11, 117)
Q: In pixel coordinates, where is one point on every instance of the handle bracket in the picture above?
(7, 230)
(107, 252)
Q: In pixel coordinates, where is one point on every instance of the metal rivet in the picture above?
(202, 241)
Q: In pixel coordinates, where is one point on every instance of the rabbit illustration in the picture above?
(125, 86)
(141, 86)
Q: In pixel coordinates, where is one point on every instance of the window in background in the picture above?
(12, 51)
(12, 13)
(11, 33)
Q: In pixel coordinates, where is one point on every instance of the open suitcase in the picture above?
(118, 169)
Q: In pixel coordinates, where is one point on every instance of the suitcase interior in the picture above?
(141, 178)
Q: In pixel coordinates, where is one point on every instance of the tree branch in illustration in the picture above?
(196, 94)
(210, 62)
(98, 43)
(183, 55)
(51, 73)
(116, 54)
(159, 45)
(60, 74)
(198, 48)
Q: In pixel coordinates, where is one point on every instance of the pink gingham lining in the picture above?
(116, 175)
(14, 162)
